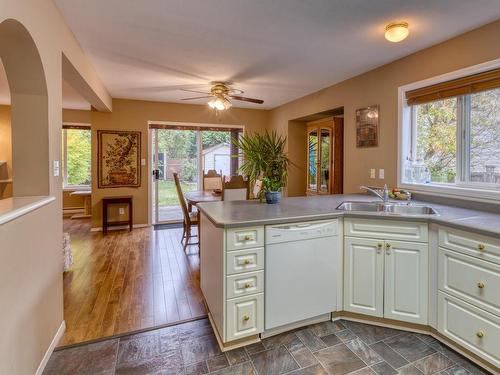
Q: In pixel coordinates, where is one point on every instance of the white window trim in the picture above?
(481, 193)
(67, 187)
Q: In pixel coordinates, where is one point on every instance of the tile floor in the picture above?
(340, 347)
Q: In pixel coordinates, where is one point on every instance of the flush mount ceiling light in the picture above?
(396, 31)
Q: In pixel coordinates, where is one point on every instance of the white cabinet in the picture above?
(406, 281)
(384, 277)
(245, 316)
(364, 276)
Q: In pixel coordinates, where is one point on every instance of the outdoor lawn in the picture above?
(167, 195)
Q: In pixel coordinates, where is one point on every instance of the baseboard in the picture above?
(52, 346)
(119, 227)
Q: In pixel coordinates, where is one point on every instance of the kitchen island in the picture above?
(434, 274)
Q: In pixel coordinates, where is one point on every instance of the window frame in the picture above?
(64, 169)
(462, 188)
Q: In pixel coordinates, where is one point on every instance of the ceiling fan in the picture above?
(221, 94)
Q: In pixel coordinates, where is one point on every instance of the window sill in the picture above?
(77, 188)
(480, 194)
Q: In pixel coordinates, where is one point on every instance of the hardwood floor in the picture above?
(127, 281)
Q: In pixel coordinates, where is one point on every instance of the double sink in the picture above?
(390, 208)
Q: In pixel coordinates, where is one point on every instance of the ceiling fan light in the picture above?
(397, 31)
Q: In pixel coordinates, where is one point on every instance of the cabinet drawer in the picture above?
(472, 244)
(244, 316)
(244, 261)
(471, 327)
(243, 238)
(243, 284)
(471, 279)
(386, 229)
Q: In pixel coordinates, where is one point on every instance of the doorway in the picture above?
(190, 151)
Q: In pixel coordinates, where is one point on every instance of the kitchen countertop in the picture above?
(245, 213)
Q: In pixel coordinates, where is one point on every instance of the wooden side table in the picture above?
(106, 201)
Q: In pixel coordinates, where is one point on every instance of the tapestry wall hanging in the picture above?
(118, 155)
(367, 126)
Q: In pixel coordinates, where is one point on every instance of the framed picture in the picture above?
(367, 126)
(119, 158)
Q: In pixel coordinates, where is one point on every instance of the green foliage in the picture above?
(189, 170)
(213, 138)
(78, 153)
(264, 158)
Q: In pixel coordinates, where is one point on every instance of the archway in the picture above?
(29, 110)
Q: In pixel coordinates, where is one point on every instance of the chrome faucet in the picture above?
(385, 192)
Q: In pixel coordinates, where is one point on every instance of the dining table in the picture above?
(199, 196)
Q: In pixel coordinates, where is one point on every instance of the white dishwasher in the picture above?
(300, 271)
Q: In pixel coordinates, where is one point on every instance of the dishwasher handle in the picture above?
(301, 231)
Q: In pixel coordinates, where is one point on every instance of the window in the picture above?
(451, 134)
(76, 157)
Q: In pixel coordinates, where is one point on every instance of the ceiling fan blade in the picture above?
(197, 97)
(198, 92)
(243, 99)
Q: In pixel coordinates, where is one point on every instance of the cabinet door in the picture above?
(406, 281)
(364, 276)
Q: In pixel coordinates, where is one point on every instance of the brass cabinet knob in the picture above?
(388, 248)
(248, 285)
(246, 318)
(480, 285)
(388, 245)
(247, 238)
(481, 247)
(247, 261)
(480, 334)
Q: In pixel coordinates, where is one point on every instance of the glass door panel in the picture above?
(325, 160)
(176, 151)
(312, 155)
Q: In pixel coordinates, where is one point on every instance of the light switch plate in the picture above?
(143, 161)
(381, 173)
(56, 168)
(121, 210)
(372, 173)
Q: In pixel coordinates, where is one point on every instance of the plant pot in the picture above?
(273, 197)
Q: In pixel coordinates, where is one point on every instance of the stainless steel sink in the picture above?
(411, 210)
(390, 208)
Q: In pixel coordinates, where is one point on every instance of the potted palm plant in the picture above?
(264, 159)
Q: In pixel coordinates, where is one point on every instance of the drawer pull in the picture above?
(247, 261)
(247, 238)
(480, 334)
(481, 247)
(480, 285)
(246, 318)
(388, 248)
(248, 285)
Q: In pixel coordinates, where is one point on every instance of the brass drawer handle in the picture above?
(248, 285)
(480, 334)
(246, 318)
(247, 261)
(480, 285)
(247, 238)
(388, 248)
(379, 245)
(481, 247)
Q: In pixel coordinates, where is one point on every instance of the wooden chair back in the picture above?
(180, 195)
(212, 180)
(236, 189)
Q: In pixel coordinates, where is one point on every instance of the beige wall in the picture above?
(134, 115)
(31, 292)
(5, 151)
(380, 86)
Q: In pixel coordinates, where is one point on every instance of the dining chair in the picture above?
(212, 180)
(190, 218)
(236, 189)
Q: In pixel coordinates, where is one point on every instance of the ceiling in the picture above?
(275, 50)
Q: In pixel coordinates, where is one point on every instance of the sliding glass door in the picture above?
(189, 152)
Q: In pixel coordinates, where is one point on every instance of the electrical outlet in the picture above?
(121, 211)
(372, 173)
(381, 174)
